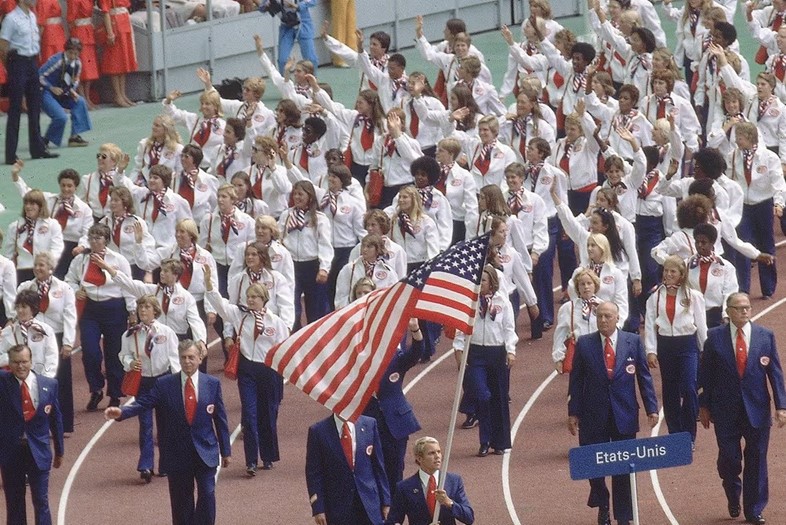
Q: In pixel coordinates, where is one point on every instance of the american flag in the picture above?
(339, 359)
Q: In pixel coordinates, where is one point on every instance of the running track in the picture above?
(530, 485)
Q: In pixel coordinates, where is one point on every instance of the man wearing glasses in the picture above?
(738, 361)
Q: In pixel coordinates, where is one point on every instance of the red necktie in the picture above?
(43, 293)
(414, 120)
(741, 353)
(671, 305)
(704, 268)
(431, 496)
(366, 138)
(483, 160)
(103, 194)
(608, 352)
(201, 136)
(117, 230)
(256, 189)
(190, 401)
(28, 410)
(564, 162)
(346, 444)
(187, 258)
(94, 274)
(166, 298)
(304, 159)
(661, 108)
(65, 211)
(187, 188)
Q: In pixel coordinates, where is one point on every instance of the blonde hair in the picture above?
(589, 273)
(417, 204)
(112, 150)
(213, 98)
(171, 135)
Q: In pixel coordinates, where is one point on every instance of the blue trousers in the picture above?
(146, 443)
(23, 83)
(80, 118)
(261, 390)
(486, 382)
(543, 274)
(65, 389)
(649, 233)
(107, 318)
(340, 259)
(394, 451)
(181, 492)
(620, 485)
(678, 358)
(757, 228)
(304, 34)
(755, 484)
(21, 464)
(315, 296)
(459, 232)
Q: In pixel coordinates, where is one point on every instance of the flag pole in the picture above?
(453, 417)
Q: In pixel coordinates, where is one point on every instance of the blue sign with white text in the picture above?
(632, 455)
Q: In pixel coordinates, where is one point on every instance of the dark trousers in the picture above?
(757, 228)
(146, 443)
(394, 451)
(754, 485)
(649, 233)
(620, 485)
(108, 319)
(340, 259)
(714, 317)
(261, 389)
(21, 464)
(359, 172)
(459, 232)
(223, 284)
(181, 492)
(678, 358)
(486, 382)
(23, 83)
(315, 295)
(23, 276)
(65, 388)
(543, 274)
(65, 260)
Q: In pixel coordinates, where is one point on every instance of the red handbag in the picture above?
(131, 381)
(233, 360)
(374, 185)
(233, 357)
(570, 351)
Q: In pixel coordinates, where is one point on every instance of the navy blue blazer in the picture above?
(592, 395)
(720, 387)
(209, 432)
(398, 413)
(410, 501)
(48, 420)
(332, 485)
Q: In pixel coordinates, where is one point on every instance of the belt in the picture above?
(53, 20)
(83, 22)
(118, 11)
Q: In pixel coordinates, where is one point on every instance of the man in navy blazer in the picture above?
(395, 418)
(602, 404)
(29, 415)
(738, 361)
(341, 493)
(189, 450)
(412, 499)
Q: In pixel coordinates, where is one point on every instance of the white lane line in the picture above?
(654, 473)
(656, 483)
(63, 505)
(506, 458)
(232, 439)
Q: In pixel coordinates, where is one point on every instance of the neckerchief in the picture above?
(444, 171)
(405, 224)
(296, 219)
(154, 153)
(207, 126)
(485, 307)
(330, 200)
(228, 224)
(226, 160)
(427, 196)
(64, 211)
(588, 306)
(29, 227)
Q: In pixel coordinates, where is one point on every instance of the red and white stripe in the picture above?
(339, 359)
(448, 301)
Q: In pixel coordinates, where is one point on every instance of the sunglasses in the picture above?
(102, 156)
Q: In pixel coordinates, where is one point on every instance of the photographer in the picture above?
(296, 23)
(59, 79)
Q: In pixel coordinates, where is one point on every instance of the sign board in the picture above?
(632, 455)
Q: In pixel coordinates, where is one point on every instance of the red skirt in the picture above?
(88, 54)
(121, 57)
(53, 40)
